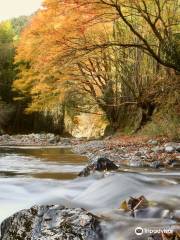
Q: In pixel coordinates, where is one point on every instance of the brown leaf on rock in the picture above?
(134, 203)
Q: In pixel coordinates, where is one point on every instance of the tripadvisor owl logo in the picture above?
(139, 231)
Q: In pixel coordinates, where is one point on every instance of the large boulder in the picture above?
(101, 164)
(51, 223)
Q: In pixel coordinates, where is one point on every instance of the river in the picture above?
(39, 175)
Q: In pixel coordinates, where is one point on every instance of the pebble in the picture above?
(157, 149)
(153, 142)
(155, 164)
(38, 139)
(169, 149)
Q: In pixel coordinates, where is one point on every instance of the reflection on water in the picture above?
(43, 176)
(40, 162)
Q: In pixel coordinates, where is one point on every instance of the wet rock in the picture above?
(85, 172)
(104, 164)
(51, 223)
(100, 164)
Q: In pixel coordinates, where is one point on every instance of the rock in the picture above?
(109, 137)
(54, 139)
(51, 223)
(58, 138)
(85, 172)
(5, 138)
(138, 154)
(51, 138)
(104, 164)
(174, 145)
(169, 162)
(66, 141)
(176, 215)
(100, 164)
(157, 149)
(178, 148)
(169, 149)
(153, 142)
(156, 164)
(176, 162)
(136, 163)
(34, 139)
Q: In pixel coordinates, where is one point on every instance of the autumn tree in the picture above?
(113, 54)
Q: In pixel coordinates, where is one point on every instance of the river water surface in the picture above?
(30, 176)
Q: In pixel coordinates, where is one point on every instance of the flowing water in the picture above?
(30, 176)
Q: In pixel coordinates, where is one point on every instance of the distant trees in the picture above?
(6, 60)
(18, 24)
(9, 32)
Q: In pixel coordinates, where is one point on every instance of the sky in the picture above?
(15, 8)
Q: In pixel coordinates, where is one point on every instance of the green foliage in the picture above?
(9, 32)
(6, 60)
(19, 24)
(6, 32)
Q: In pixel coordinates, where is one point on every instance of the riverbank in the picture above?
(33, 139)
(134, 151)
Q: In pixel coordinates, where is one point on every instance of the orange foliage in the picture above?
(52, 41)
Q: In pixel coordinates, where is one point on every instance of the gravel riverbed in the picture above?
(127, 151)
